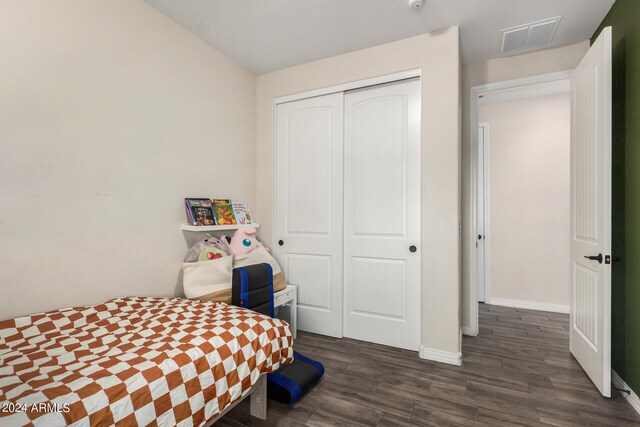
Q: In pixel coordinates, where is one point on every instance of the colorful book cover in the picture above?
(189, 215)
(242, 213)
(200, 211)
(223, 211)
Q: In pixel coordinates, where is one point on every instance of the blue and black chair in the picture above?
(252, 288)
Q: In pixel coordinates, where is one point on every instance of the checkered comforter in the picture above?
(135, 362)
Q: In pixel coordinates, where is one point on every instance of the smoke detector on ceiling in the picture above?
(534, 34)
(415, 4)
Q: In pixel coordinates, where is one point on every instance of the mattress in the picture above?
(135, 361)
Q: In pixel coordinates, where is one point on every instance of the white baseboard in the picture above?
(632, 398)
(466, 330)
(554, 308)
(440, 356)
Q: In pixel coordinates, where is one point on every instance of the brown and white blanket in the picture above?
(135, 362)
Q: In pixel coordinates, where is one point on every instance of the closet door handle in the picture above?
(412, 248)
(280, 242)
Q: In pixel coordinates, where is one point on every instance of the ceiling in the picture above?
(267, 35)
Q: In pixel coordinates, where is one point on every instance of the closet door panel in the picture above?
(315, 272)
(309, 207)
(378, 168)
(382, 215)
(309, 170)
(386, 278)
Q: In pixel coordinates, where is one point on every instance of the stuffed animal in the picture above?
(243, 241)
(206, 249)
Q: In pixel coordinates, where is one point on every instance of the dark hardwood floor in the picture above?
(518, 371)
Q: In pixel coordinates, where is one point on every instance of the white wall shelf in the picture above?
(205, 228)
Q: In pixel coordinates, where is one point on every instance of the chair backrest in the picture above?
(252, 288)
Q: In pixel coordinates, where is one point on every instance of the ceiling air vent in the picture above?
(535, 34)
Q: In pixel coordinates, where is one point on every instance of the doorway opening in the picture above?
(589, 196)
(519, 195)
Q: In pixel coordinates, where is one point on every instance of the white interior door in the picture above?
(382, 215)
(480, 213)
(590, 331)
(309, 193)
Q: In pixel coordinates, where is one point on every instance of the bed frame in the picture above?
(258, 402)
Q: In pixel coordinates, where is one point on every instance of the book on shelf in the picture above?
(188, 211)
(199, 211)
(242, 213)
(223, 211)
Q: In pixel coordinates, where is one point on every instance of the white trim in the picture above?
(473, 141)
(557, 87)
(388, 78)
(632, 397)
(440, 356)
(526, 81)
(540, 306)
(466, 330)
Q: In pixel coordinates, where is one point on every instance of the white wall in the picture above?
(437, 54)
(492, 71)
(110, 114)
(529, 189)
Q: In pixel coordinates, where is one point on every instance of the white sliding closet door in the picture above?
(382, 214)
(309, 193)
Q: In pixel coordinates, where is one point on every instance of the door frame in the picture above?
(469, 241)
(486, 265)
(345, 87)
(358, 84)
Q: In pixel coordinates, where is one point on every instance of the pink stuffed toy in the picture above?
(243, 241)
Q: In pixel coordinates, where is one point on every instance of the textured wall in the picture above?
(110, 114)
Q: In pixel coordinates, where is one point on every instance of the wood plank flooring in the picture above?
(518, 371)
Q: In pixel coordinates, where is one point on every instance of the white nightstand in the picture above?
(285, 303)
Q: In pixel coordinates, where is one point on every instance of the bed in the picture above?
(136, 361)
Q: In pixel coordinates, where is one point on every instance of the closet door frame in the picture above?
(358, 84)
(345, 87)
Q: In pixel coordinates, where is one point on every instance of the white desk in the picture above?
(285, 304)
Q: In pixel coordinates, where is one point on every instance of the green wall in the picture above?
(624, 18)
